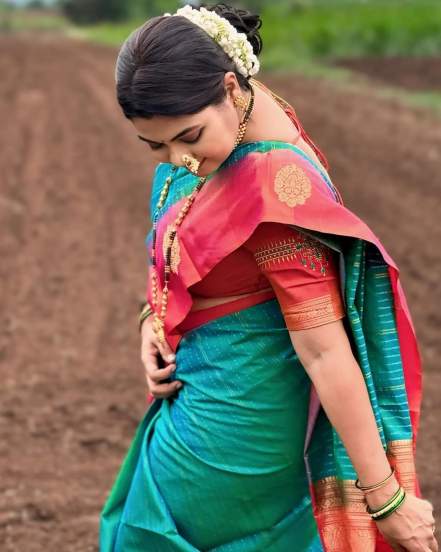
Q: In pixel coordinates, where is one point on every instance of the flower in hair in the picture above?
(234, 44)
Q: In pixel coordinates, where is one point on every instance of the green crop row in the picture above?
(348, 29)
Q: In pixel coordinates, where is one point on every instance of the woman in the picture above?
(294, 427)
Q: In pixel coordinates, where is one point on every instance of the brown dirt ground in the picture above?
(416, 73)
(73, 205)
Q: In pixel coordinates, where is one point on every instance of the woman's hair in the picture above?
(170, 66)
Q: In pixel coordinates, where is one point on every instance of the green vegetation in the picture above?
(317, 30)
(106, 32)
(347, 29)
(294, 31)
(94, 11)
(27, 20)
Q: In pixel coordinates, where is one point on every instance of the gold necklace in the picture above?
(159, 318)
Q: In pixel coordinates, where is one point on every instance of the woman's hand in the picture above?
(410, 527)
(153, 351)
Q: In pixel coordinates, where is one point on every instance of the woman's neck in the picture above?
(269, 121)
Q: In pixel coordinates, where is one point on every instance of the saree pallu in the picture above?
(265, 181)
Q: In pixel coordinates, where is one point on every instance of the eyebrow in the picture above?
(173, 139)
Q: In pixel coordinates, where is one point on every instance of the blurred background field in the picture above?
(316, 37)
(365, 80)
(293, 29)
(331, 29)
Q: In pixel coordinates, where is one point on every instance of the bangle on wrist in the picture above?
(389, 507)
(370, 488)
(145, 313)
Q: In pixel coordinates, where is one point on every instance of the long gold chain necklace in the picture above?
(159, 318)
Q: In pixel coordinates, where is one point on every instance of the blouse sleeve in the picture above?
(303, 273)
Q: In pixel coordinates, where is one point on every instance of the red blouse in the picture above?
(276, 261)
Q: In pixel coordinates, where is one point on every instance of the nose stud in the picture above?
(191, 163)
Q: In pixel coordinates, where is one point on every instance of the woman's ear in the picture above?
(232, 86)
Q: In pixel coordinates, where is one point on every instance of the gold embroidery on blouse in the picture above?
(313, 312)
(292, 185)
(175, 250)
(311, 253)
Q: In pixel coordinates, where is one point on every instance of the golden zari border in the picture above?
(314, 312)
(345, 524)
(400, 454)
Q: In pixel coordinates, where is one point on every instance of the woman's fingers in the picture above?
(166, 353)
(433, 543)
(433, 546)
(155, 376)
(159, 374)
(163, 390)
(164, 349)
(149, 358)
(156, 369)
(159, 364)
(150, 340)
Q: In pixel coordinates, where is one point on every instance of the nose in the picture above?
(176, 156)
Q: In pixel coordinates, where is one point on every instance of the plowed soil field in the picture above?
(74, 214)
(416, 73)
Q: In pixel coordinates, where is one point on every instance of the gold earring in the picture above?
(191, 163)
(241, 102)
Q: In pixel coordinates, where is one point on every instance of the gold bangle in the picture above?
(376, 485)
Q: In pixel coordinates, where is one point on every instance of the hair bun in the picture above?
(244, 21)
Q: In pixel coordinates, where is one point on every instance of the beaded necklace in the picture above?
(159, 318)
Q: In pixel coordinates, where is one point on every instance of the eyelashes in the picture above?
(159, 146)
(193, 141)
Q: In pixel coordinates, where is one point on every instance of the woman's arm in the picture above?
(326, 355)
(305, 277)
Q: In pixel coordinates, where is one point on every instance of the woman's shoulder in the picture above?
(286, 168)
(277, 151)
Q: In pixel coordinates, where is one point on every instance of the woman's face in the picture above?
(208, 136)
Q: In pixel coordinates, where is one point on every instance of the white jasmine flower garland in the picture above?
(235, 44)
